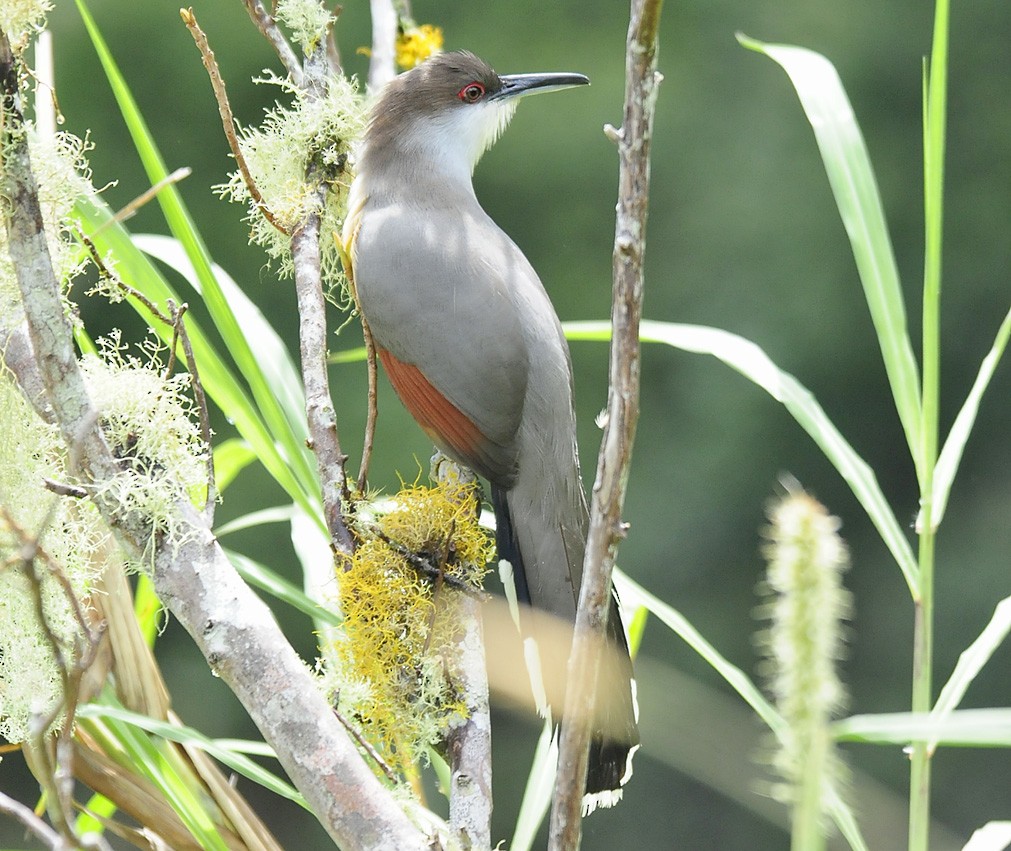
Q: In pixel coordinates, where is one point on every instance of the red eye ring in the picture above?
(472, 92)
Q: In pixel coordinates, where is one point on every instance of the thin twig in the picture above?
(204, 414)
(31, 822)
(333, 53)
(267, 26)
(366, 746)
(425, 567)
(177, 315)
(227, 118)
(147, 195)
(373, 405)
(64, 489)
(606, 526)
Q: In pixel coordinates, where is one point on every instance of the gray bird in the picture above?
(473, 347)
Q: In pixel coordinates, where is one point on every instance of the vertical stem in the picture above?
(608, 496)
(933, 166)
(320, 414)
(806, 833)
(382, 66)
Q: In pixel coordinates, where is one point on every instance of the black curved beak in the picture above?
(517, 85)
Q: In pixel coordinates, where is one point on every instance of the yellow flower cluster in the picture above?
(395, 657)
(416, 44)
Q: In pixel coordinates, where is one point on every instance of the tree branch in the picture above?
(606, 526)
(233, 628)
(266, 24)
(322, 419)
(469, 745)
(382, 65)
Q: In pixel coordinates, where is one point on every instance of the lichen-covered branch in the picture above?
(469, 745)
(233, 628)
(266, 24)
(606, 526)
(305, 254)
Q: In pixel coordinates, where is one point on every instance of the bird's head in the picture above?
(452, 107)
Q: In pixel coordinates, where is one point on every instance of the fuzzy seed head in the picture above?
(806, 607)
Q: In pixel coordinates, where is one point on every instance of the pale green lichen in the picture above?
(77, 542)
(278, 154)
(149, 423)
(308, 20)
(62, 174)
(22, 19)
(806, 609)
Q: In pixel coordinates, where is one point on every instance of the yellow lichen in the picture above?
(400, 624)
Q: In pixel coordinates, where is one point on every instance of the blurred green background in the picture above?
(743, 235)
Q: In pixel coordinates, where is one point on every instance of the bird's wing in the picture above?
(438, 289)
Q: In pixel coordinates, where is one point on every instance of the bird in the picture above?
(473, 347)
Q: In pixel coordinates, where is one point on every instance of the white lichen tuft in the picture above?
(63, 175)
(803, 643)
(150, 424)
(278, 154)
(78, 544)
(308, 20)
(22, 19)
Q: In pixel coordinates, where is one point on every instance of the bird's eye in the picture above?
(471, 93)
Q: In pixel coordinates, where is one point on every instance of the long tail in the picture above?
(615, 736)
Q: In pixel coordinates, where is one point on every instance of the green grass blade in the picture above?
(848, 166)
(637, 629)
(972, 660)
(231, 756)
(973, 728)
(633, 594)
(347, 355)
(266, 580)
(538, 791)
(155, 762)
(183, 228)
(271, 354)
(954, 445)
(748, 359)
(262, 517)
(136, 269)
(97, 805)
